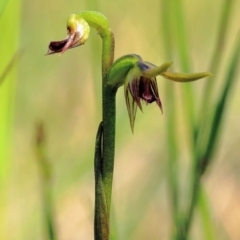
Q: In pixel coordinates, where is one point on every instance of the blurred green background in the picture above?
(64, 93)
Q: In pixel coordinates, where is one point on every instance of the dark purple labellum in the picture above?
(146, 90)
(57, 46)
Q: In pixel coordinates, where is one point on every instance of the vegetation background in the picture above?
(64, 93)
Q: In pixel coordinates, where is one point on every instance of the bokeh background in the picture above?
(64, 93)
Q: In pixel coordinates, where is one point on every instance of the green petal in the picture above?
(154, 71)
(185, 77)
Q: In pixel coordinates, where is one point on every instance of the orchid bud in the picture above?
(78, 32)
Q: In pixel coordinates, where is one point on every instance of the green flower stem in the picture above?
(109, 116)
(108, 141)
(105, 175)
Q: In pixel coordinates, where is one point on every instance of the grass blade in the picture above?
(221, 105)
(208, 89)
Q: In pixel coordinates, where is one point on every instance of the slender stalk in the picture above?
(108, 146)
(104, 176)
(108, 141)
(109, 116)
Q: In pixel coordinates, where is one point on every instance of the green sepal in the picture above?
(120, 68)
